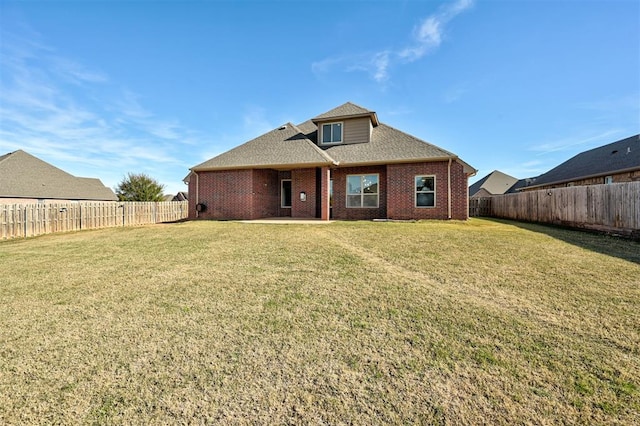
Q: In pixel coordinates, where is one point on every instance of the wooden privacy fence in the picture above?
(28, 220)
(611, 208)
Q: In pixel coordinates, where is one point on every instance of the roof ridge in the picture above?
(356, 105)
(8, 154)
(316, 147)
(322, 152)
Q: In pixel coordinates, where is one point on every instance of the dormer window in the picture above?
(331, 133)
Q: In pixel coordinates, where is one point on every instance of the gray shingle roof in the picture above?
(281, 147)
(608, 159)
(388, 145)
(346, 110)
(296, 146)
(24, 176)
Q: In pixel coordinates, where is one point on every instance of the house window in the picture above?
(285, 193)
(332, 133)
(425, 191)
(608, 180)
(362, 191)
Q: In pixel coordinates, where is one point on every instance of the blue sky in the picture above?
(104, 88)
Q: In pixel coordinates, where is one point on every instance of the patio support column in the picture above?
(325, 176)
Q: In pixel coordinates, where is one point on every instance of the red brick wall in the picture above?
(401, 195)
(192, 198)
(252, 194)
(266, 193)
(227, 194)
(340, 211)
(303, 180)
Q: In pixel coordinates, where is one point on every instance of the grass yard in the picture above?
(347, 323)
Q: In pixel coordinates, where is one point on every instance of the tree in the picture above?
(139, 187)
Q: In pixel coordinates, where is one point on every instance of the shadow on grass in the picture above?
(610, 245)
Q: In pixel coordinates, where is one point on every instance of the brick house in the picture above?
(342, 164)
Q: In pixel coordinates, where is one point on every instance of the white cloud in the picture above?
(76, 73)
(565, 144)
(380, 66)
(425, 38)
(255, 121)
(77, 118)
(454, 93)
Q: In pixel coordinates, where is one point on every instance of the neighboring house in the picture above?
(180, 196)
(343, 164)
(521, 183)
(27, 179)
(495, 183)
(616, 162)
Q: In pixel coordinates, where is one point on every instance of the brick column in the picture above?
(325, 176)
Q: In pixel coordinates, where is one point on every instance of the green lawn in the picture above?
(346, 323)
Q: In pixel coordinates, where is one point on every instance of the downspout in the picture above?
(449, 189)
(197, 192)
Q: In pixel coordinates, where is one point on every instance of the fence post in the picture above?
(25, 223)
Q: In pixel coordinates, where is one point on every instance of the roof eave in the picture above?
(283, 166)
(398, 161)
(372, 115)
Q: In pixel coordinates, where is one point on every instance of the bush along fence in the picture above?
(613, 208)
(29, 220)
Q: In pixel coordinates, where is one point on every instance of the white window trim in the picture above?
(341, 123)
(282, 206)
(415, 192)
(346, 200)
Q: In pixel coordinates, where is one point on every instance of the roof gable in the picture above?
(347, 110)
(494, 183)
(24, 176)
(608, 159)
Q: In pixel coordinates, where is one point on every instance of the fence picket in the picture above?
(27, 220)
(612, 208)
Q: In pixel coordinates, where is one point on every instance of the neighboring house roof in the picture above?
(24, 176)
(616, 157)
(521, 183)
(181, 196)
(292, 145)
(495, 183)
